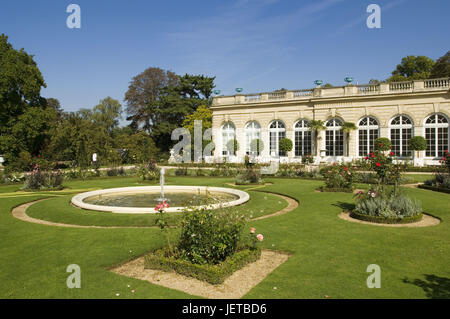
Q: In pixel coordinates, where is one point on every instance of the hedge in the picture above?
(214, 274)
(384, 220)
(434, 188)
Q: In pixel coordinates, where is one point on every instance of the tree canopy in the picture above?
(441, 68)
(158, 101)
(412, 68)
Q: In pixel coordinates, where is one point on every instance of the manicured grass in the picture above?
(330, 255)
(59, 210)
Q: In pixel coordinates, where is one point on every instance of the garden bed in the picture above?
(213, 274)
(434, 188)
(384, 220)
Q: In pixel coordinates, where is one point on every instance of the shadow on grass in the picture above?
(345, 206)
(434, 286)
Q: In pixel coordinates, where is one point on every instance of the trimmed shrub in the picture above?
(417, 143)
(214, 274)
(383, 144)
(285, 145)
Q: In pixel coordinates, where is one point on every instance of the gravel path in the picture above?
(234, 287)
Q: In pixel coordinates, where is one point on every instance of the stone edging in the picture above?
(77, 200)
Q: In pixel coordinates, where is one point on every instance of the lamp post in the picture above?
(239, 90)
(318, 82)
(349, 80)
(216, 92)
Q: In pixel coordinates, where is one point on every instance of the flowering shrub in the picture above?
(162, 223)
(249, 176)
(255, 239)
(441, 177)
(339, 176)
(209, 237)
(387, 171)
(308, 159)
(40, 180)
(383, 144)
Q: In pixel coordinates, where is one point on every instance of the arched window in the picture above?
(334, 138)
(277, 131)
(436, 134)
(368, 132)
(228, 133)
(252, 132)
(401, 130)
(302, 138)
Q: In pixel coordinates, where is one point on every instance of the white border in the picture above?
(77, 200)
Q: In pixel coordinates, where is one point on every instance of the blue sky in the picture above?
(259, 45)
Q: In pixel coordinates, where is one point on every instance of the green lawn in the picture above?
(330, 255)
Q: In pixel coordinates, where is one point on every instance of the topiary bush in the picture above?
(285, 145)
(417, 143)
(383, 144)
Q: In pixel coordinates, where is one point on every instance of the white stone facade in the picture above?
(396, 110)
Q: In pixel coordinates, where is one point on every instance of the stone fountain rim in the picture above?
(77, 200)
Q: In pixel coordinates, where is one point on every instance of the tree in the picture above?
(441, 68)
(412, 68)
(315, 126)
(77, 138)
(159, 101)
(285, 146)
(347, 127)
(107, 114)
(417, 143)
(204, 114)
(20, 83)
(144, 94)
(327, 85)
(139, 147)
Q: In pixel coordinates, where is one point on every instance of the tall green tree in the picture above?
(144, 95)
(441, 68)
(20, 83)
(412, 68)
(159, 101)
(107, 114)
(77, 138)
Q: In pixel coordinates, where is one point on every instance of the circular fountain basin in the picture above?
(143, 199)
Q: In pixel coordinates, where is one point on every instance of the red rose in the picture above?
(372, 154)
(391, 153)
(366, 158)
(378, 164)
(345, 168)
